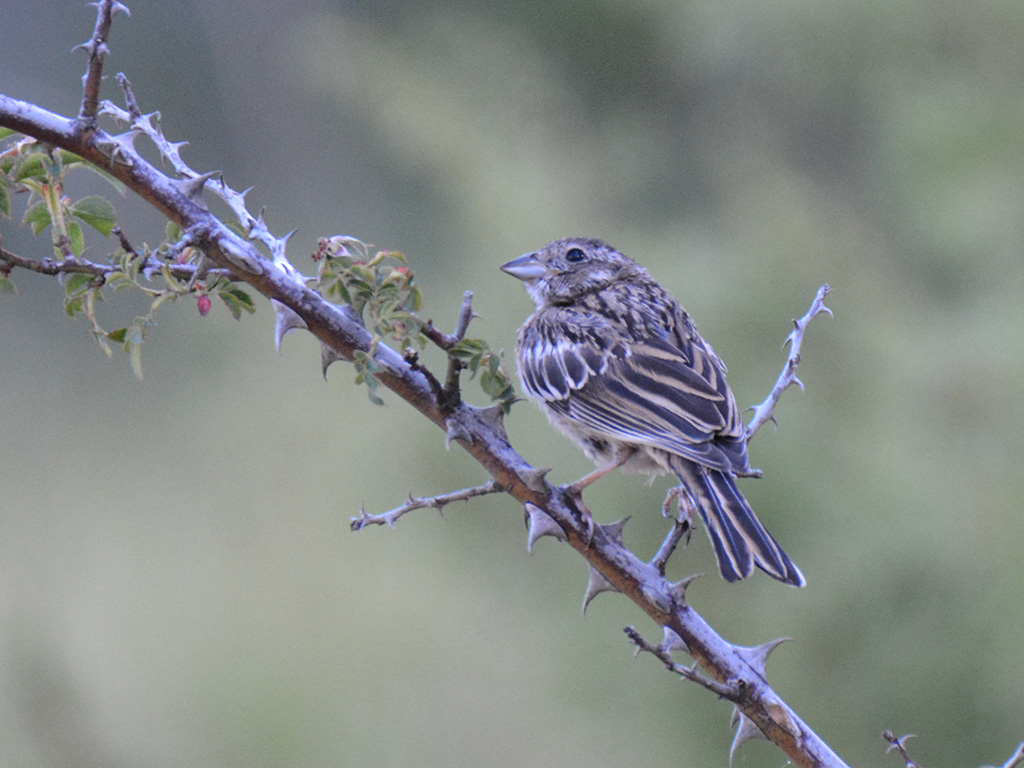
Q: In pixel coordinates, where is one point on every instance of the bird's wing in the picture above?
(657, 392)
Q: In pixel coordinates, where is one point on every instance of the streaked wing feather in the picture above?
(647, 393)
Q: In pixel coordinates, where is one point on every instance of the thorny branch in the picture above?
(96, 47)
(765, 411)
(899, 745)
(680, 529)
(1016, 759)
(447, 341)
(73, 265)
(479, 431)
(422, 502)
(691, 673)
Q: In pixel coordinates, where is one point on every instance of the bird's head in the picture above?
(564, 270)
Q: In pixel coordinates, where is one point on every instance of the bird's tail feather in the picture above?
(739, 539)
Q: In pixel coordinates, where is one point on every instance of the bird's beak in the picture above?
(525, 268)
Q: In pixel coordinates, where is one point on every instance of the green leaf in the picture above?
(243, 298)
(30, 168)
(7, 286)
(77, 283)
(37, 217)
(53, 165)
(415, 299)
(5, 132)
(5, 201)
(118, 336)
(237, 301)
(97, 212)
(77, 238)
(135, 352)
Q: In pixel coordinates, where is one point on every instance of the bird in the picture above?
(618, 366)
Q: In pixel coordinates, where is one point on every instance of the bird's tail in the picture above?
(739, 539)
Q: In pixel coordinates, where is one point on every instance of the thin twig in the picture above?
(126, 246)
(422, 502)
(450, 396)
(680, 529)
(682, 526)
(129, 95)
(898, 744)
(444, 340)
(1016, 759)
(73, 265)
(765, 411)
(688, 673)
(96, 47)
(149, 126)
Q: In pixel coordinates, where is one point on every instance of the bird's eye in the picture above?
(575, 254)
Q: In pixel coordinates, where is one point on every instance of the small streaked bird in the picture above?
(616, 364)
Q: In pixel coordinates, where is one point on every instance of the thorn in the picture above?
(596, 584)
(493, 416)
(747, 731)
(533, 478)
(678, 588)
(614, 530)
(757, 656)
(898, 743)
(328, 355)
(287, 320)
(192, 187)
(539, 524)
(455, 430)
(280, 244)
(175, 147)
(671, 641)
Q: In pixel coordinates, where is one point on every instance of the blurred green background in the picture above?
(178, 585)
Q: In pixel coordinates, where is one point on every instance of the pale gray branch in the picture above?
(422, 502)
(765, 411)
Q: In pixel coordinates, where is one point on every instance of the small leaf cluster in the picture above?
(30, 166)
(168, 272)
(478, 358)
(380, 289)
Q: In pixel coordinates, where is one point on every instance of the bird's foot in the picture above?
(685, 508)
(573, 497)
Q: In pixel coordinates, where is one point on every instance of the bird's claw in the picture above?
(574, 495)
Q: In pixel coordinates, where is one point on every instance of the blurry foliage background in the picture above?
(177, 581)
